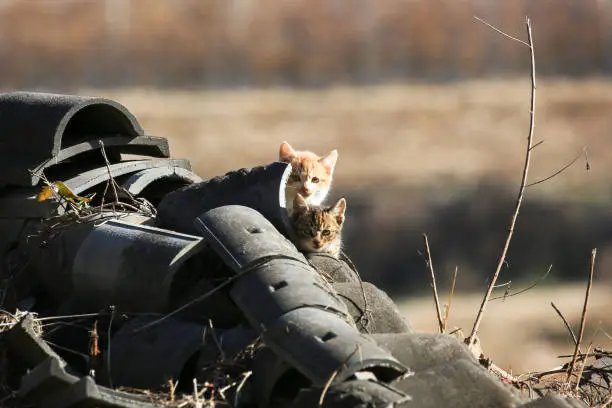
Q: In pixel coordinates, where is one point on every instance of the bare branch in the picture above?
(537, 144)
(501, 32)
(567, 326)
(567, 166)
(196, 394)
(584, 313)
(433, 284)
(469, 340)
(582, 368)
(450, 300)
(503, 374)
(107, 357)
(216, 339)
(501, 285)
(335, 373)
(533, 285)
(192, 302)
(584, 356)
(110, 180)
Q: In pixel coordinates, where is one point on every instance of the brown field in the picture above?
(410, 135)
(524, 333)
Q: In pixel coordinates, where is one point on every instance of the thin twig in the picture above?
(582, 356)
(172, 385)
(196, 396)
(108, 347)
(537, 144)
(94, 349)
(584, 313)
(538, 375)
(104, 195)
(469, 340)
(555, 174)
(111, 180)
(605, 333)
(197, 299)
(502, 33)
(58, 197)
(365, 319)
(143, 203)
(433, 284)
(335, 373)
(533, 285)
(567, 326)
(582, 367)
(500, 372)
(501, 285)
(70, 316)
(239, 389)
(67, 349)
(121, 204)
(216, 340)
(327, 385)
(450, 299)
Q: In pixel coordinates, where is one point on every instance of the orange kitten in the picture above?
(318, 229)
(311, 175)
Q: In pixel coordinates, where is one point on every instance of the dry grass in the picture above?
(394, 134)
(523, 333)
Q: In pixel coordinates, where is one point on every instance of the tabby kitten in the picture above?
(318, 229)
(311, 175)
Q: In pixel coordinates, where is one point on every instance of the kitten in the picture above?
(311, 175)
(318, 229)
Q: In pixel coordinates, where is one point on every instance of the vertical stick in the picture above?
(584, 313)
(450, 299)
(469, 340)
(433, 284)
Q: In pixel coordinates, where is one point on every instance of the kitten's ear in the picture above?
(286, 152)
(329, 161)
(299, 203)
(338, 210)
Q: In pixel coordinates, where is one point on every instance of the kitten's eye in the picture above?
(325, 232)
(295, 178)
(315, 180)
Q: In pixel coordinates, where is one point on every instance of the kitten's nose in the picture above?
(306, 190)
(317, 243)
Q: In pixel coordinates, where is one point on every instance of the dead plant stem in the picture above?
(192, 302)
(561, 170)
(108, 346)
(433, 284)
(584, 313)
(501, 32)
(567, 326)
(469, 340)
(582, 367)
(528, 288)
(450, 299)
(331, 378)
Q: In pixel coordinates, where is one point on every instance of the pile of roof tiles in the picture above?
(200, 298)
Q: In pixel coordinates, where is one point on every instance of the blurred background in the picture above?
(427, 107)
